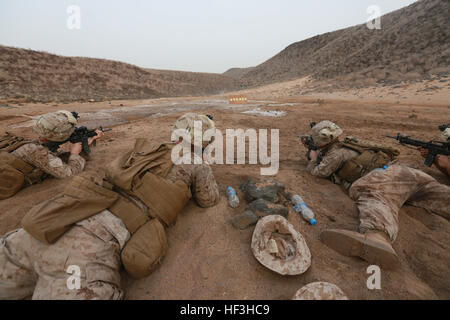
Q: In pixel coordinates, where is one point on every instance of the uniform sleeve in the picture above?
(42, 158)
(205, 189)
(329, 164)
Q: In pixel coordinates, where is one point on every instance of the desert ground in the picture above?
(208, 258)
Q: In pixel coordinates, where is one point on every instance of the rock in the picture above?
(262, 208)
(244, 220)
(267, 190)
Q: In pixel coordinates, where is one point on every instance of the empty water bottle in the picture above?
(301, 207)
(233, 199)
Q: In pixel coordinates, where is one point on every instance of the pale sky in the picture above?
(189, 35)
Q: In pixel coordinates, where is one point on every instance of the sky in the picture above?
(188, 35)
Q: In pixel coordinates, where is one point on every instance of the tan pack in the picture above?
(147, 245)
(145, 249)
(11, 181)
(141, 173)
(372, 156)
(15, 174)
(82, 198)
(145, 156)
(147, 202)
(10, 142)
(165, 199)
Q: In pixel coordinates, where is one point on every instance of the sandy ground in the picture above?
(207, 257)
(425, 92)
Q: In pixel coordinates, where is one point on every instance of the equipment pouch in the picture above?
(145, 249)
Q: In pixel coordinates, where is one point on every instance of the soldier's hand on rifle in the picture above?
(423, 152)
(303, 140)
(441, 162)
(76, 148)
(313, 155)
(99, 133)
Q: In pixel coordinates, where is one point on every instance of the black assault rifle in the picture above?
(81, 134)
(434, 147)
(308, 140)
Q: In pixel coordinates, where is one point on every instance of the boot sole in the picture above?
(351, 245)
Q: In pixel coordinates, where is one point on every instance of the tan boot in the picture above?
(373, 246)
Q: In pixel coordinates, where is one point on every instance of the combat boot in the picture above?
(373, 246)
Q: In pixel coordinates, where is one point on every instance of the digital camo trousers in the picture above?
(380, 195)
(30, 268)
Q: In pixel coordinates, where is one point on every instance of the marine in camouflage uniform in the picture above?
(379, 196)
(40, 157)
(29, 267)
(56, 126)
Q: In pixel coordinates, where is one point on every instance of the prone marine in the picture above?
(24, 162)
(103, 222)
(379, 187)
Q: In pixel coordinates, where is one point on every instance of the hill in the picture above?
(413, 43)
(42, 77)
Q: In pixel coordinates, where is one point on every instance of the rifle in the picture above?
(81, 134)
(308, 140)
(434, 147)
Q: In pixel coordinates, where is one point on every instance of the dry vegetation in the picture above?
(33, 76)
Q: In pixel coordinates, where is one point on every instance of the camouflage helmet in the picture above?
(446, 134)
(55, 126)
(320, 291)
(325, 132)
(279, 247)
(186, 122)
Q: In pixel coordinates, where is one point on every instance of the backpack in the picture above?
(14, 172)
(371, 156)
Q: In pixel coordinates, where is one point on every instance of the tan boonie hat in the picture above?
(320, 291)
(325, 132)
(56, 126)
(279, 247)
(186, 122)
(446, 134)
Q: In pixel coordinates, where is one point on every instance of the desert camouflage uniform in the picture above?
(201, 180)
(380, 194)
(335, 157)
(29, 267)
(41, 158)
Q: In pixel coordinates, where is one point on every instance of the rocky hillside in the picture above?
(237, 73)
(413, 43)
(41, 77)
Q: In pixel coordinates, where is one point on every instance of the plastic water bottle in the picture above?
(233, 199)
(301, 207)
